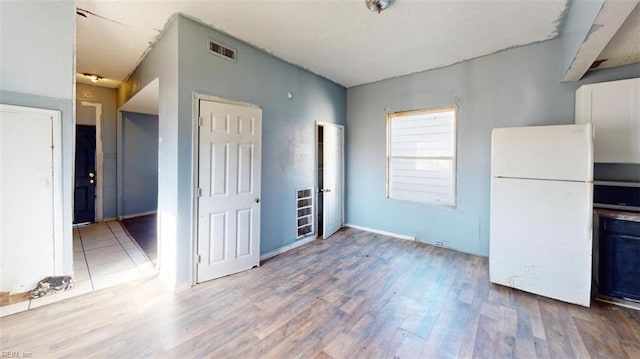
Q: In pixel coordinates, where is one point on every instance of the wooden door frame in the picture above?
(98, 211)
(195, 140)
(315, 161)
(57, 187)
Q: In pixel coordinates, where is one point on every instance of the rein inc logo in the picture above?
(15, 354)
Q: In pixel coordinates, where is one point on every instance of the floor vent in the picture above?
(222, 50)
(304, 208)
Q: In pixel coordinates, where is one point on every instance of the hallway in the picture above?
(104, 256)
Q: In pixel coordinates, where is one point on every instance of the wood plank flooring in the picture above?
(143, 230)
(355, 295)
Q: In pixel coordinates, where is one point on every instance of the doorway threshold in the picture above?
(617, 301)
(104, 256)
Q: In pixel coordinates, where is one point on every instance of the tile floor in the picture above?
(103, 256)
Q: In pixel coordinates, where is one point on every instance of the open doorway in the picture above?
(104, 255)
(138, 139)
(88, 189)
(330, 178)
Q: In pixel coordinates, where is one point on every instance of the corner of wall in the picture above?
(578, 23)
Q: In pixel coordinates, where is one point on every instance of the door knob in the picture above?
(257, 200)
(92, 181)
(91, 174)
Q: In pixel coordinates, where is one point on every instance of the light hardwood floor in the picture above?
(355, 295)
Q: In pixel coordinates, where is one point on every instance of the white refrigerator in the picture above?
(541, 210)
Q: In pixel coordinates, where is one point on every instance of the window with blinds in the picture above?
(421, 156)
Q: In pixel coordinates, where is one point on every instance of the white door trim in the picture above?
(323, 124)
(198, 96)
(99, 159)
(58, 223)
(195, 140)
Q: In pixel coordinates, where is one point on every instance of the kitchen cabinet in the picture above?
(619, 258)
(614, 109)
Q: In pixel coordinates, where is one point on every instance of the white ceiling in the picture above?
(341, 40)
(338, 39)
(624, 47)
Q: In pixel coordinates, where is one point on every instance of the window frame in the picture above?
(389, 118)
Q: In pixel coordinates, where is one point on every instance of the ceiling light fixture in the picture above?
(377, 5)
(93, 77)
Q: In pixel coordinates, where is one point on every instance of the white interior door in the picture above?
(229, 186)
(332, 179)
(30, 232)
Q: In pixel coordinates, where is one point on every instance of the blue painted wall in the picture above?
(517, 87)
(162, 62)
(288, 130)
(37, 41)
(139, 163)
(288, 126)
(37, 70)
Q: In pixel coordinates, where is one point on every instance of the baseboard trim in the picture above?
(83, 224)
(384, 233)
(104, 220)
(616, 301)
(287, 248)
(182, 287)
(170, 285)
(137, 215)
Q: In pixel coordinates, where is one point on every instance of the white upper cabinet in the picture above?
(614, 109)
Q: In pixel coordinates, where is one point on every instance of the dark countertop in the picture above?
(622, 215)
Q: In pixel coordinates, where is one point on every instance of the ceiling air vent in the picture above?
(222, 50)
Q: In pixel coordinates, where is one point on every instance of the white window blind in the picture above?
(421, 156)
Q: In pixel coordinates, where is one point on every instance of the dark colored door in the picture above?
(620, 258)
(84, 198)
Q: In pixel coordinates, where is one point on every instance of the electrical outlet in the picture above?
(440, 243)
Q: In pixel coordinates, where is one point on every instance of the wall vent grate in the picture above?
(304, 209)
(222, 50)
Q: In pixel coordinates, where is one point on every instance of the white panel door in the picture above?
(332, 179)
(541, 237)
(27, 198)
(229, 185)
(563, 152)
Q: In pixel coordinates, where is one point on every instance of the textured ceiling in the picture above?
(624, 47)
(340, 40)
